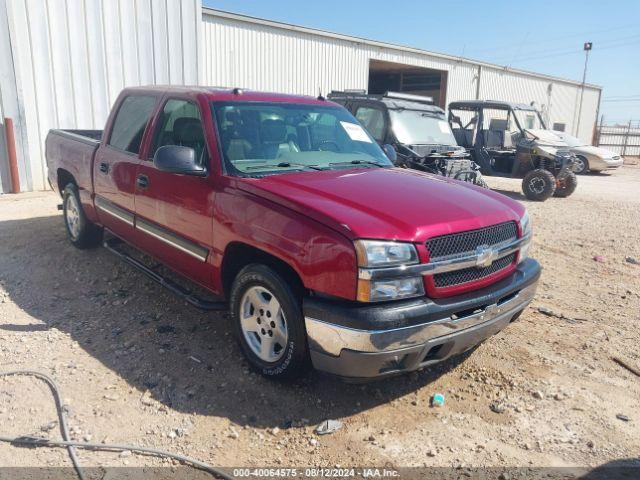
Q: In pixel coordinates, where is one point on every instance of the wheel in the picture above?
(538, 185)
(581, 165)
(566, 184)
(81, 232)
(269, 324)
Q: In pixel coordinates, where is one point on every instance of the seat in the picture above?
(234, 143)
(187, 132)
(273, 136)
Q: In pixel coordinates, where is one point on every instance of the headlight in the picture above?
(525, 225)
(375, 253)
(381, 290)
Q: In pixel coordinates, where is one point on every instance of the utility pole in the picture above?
(587, 48)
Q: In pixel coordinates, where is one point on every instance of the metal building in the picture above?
(63, 62)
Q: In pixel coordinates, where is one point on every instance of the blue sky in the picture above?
(541, 36)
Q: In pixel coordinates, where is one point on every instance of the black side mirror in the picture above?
(390, 152)
(178, 159)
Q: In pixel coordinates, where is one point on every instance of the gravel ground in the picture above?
(136, 365)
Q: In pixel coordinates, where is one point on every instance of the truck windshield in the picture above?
(414, 127)
(274, 138)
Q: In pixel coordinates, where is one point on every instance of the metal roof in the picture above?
(375, 43)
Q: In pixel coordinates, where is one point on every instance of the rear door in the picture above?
(117, 160)
(174, 213)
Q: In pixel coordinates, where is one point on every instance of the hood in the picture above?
(386, 203)
(594, 151)
(547, 137)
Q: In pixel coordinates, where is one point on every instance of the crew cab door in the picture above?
(174, 212)
(116, 162)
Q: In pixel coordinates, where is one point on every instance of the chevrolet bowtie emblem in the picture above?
(485, 255)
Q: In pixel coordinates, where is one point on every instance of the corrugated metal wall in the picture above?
(64, 62)
(239, 51)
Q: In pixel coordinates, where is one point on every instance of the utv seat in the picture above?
(463, 137)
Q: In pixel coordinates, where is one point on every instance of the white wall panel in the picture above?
(71, 59)
(263, 55)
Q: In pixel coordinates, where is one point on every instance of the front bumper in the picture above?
(364, 342)
(605, 163)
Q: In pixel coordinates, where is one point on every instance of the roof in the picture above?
(496, 104)
(391, 99)
(391, 46)
(229, 94)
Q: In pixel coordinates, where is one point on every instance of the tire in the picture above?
(81, 232)
(566, 185)
(538, 185)
(252, 307)
(581, 166)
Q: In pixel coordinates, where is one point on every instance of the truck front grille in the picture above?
(466, 243)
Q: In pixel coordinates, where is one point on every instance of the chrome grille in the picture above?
(466, 243)
(457, 277)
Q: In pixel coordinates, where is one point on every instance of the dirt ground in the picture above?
(137, 365)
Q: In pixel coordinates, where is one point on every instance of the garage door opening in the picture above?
(398, 77)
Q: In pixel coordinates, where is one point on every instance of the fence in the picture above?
(620, 138)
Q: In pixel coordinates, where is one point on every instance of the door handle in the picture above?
(142, 181)
(104, 167)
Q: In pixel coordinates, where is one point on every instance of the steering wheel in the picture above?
(328, 146)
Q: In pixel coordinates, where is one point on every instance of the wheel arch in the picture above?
(238, 255)
(64, 177)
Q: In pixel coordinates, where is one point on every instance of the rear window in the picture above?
(130, 122)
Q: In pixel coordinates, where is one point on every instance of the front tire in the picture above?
(538, 185)
(581, 165)
(566, 185)
(269, 324)
(81, 232)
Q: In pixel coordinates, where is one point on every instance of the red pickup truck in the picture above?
(287, 211)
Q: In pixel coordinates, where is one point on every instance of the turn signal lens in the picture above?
(381, 290)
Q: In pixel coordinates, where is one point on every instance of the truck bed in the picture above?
(72, 151)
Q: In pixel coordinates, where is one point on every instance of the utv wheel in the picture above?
(538, 185)
(566, 185)
(580, 165)
(269, 324)
(81, 232)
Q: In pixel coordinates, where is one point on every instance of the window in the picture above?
(278, 138)
(131, 120)
(373, 120)
(181, 125)
(559, 127)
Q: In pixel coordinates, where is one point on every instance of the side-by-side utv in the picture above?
(511, 140)
(417, 130)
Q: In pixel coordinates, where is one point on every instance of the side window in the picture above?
(560, 127)
(373, 120)
(180, 125)
(131, 120)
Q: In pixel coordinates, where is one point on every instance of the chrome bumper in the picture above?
(332, 339)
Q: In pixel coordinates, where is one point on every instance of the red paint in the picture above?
(307, 219)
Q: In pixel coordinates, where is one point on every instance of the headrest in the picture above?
(232, 116)
(273, 131)
(187, 130)
(498, 124)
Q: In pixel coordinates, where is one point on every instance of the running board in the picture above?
(111, 244)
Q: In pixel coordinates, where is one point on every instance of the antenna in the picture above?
(320, 97)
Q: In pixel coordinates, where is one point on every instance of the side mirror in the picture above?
(390, 152)
(178, 159)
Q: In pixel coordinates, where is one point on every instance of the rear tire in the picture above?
(82, 233)
(581, 166)
(566, 185)
(538, 185)
(269, 324)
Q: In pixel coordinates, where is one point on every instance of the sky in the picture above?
(541, 36)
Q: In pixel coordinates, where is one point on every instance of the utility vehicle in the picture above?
(511, 140)
(416, 128)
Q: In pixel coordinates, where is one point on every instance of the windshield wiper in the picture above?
(359, 162)
(283, 165)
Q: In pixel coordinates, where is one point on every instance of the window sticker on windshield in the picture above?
(355, 132)
(444, 126)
